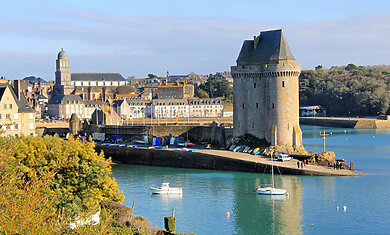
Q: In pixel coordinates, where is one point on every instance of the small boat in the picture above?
(165, 189)
(255, 150)
(232, 147)
(139, 141)
(271, 190)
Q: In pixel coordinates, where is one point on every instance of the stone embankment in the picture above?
(214, 160)
(356, 123)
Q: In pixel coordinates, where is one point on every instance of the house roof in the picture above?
(22, 103)
(268, 46)
(96, 77)
(65, 98)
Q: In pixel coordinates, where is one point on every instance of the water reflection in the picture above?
(266, 214)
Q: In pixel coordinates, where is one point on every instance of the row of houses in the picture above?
(169, 108)
(64, 106)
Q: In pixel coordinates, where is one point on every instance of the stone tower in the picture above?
(266, 93)
(63, 84)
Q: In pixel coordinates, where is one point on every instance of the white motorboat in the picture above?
(271, 190)
(165, 189)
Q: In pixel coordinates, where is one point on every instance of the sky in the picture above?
(136, 38)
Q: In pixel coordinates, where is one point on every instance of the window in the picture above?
(0, 116)
(257, 105)
(243, 106)
(254, 85)
(31, 116)
(10, 106)
(16, 126)
(16, 116)
(8, 116)
(5, 106)
(273, 105)
(31, 126)
(282, 83)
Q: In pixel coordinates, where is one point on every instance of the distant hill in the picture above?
(347, 90)
(33, 80)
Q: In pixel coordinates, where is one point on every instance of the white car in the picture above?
(284, 157)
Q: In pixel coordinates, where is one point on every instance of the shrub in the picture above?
(170, 223)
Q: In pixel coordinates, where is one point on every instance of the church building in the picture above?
(73, 92)
(90, 86)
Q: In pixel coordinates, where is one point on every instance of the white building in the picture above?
(63, 106)
(169, 108)
(207, 107)
(139, 108)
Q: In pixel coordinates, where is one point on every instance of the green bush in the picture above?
(170, 223)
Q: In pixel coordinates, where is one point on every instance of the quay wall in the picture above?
(196, 160)
(345, 122)
(214, 134)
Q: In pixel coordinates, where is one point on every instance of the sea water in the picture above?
(223, 202)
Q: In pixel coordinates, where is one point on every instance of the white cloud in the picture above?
(135, 45)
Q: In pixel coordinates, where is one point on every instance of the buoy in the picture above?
(227, 214)
(344, 208)
(337, 207)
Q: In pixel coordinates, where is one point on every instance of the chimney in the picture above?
(18, 88)
(256, 41)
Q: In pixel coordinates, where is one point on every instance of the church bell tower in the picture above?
(63, 84)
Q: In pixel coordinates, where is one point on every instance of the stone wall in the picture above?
(346, 123)
(196, 160)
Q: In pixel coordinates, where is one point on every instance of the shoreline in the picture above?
(214, 160)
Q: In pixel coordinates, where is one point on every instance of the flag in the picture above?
(98, 109)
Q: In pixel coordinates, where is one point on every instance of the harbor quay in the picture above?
(214, 160)
(381, 122)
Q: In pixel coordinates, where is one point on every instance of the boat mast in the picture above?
(272, 170)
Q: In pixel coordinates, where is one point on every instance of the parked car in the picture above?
(283, 157)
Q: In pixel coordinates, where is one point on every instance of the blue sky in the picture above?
(141, 37)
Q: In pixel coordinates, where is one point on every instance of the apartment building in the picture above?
(16, 116)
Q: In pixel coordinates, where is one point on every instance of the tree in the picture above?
(351, 91)
(202, 93)
(80, 178)
(351, 67)
(152, 76)
(215, 88)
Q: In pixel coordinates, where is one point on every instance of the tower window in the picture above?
(257, 105)
(282, 83)
(254, 85)
(273, 105)
(253, 125)
(243, 106)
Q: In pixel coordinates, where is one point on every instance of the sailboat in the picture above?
(271, 190)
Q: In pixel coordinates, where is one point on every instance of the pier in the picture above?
(346, 122)
(214, 160)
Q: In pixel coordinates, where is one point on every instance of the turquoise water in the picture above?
(311, 207)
